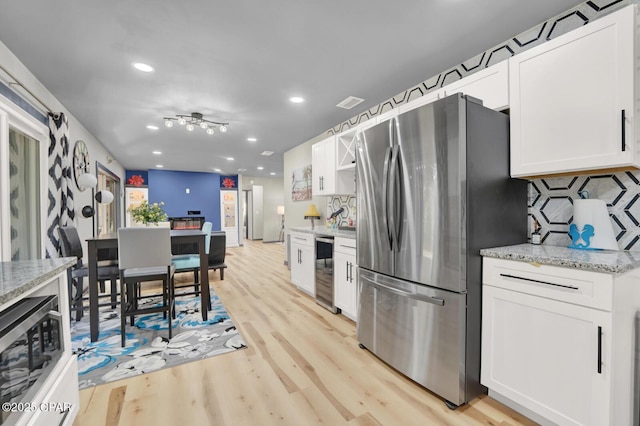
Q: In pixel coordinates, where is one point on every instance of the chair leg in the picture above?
(221, 274)
(196, 280)
(132, 300)
(78, 304)
(114, 291)
(123, 318)
(102, 286)
(169, 284)
(165, 298)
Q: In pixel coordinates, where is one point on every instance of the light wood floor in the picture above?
(302, 367)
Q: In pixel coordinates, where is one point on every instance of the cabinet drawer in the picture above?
(62, 403)
(302, 238)
(345, 245)
(585, 288)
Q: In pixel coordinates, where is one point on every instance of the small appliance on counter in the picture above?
(591, 228)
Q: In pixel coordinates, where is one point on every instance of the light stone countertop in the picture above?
(326, 231)
(591, 260)
(19, 277)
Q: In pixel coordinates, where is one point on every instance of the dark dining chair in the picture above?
(107, 270)
(144, 254)
(217, 252)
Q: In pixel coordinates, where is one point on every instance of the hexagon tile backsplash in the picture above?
(551, 203)
(348, 215)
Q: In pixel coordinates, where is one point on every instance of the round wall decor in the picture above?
(80, 161)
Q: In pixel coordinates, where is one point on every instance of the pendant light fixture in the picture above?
(196, 119)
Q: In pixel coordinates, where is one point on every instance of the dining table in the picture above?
(109, 242)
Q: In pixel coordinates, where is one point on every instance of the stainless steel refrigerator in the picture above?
(433, 188)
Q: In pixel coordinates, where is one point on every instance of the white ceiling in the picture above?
(239, 62)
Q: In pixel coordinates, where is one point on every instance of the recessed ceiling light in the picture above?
(267, 153)
(296, 99)
(157, 152)
(252, 139)
(216, 170)
(229, 158)
(272, 173)
(152, 127)
(242, 170)
(143, 67)
(260, 168)
(159, 166)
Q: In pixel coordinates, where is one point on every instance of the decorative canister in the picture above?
(591, 227)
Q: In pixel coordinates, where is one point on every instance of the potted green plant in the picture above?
(148, 213)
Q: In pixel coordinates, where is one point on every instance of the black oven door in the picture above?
(30, 345)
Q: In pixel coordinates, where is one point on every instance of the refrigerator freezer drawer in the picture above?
(416, 329)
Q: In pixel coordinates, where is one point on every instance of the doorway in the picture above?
(108, 216)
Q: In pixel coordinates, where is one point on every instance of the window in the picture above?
(24, 196)
(23, 183)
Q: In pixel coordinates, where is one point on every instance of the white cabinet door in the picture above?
(302, 260)
(491, 85)
(307, 281)
(572, 100)
(317, 167)
(551, 357)
(345, 284)
(323, 159)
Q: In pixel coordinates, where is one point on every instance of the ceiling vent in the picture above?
(267, 153)
(350, 102)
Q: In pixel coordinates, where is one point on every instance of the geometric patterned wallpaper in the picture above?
(551, 203)
(548, 30)
(551, 199)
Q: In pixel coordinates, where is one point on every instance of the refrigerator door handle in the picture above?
(395, 193)
(420, 297)
(385, 187)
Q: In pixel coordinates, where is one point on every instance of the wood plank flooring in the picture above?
(302, 367)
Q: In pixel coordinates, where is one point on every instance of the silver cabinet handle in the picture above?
(539, 281)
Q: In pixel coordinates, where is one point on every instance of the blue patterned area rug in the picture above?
(147, 346)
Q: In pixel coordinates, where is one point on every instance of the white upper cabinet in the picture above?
(327, 179)
(490, 85)
(572, 100)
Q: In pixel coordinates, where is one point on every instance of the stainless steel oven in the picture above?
(324, 273)
(31, 342)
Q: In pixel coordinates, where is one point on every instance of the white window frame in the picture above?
(11, 115)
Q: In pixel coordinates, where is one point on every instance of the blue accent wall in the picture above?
(204, 193)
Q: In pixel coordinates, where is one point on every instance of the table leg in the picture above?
(205, 299)
(93, 290)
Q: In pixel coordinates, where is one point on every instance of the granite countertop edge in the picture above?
(609, 261)
(18, 277)
(324, 231)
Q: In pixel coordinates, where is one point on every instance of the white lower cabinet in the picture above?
(568, 361)
(345, 283)
(302, 259)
